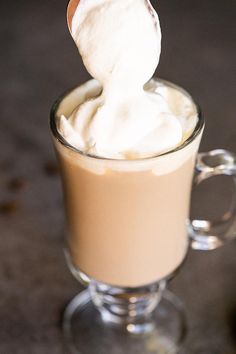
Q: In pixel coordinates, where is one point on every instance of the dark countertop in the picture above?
(38, 62)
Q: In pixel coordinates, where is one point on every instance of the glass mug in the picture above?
(128, 232)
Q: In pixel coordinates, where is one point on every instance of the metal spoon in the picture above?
(71, 8)
(152, 12)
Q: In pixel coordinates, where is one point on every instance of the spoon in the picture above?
(72, 6)
(152, 12)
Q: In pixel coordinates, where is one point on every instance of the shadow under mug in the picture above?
(118, 298)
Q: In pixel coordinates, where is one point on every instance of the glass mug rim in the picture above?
(196, 132)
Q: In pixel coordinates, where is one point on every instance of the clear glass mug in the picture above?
(129, 231)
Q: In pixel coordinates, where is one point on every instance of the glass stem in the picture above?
(130, 308)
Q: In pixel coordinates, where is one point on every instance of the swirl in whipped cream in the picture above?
(120, 44)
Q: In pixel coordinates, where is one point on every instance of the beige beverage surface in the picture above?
(126, 228)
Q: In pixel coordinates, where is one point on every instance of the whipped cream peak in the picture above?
(120, 44)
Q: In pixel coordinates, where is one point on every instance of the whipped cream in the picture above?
(120, 44)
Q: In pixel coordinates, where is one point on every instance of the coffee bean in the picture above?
(17, 184)
(8, 207)
(51, 169)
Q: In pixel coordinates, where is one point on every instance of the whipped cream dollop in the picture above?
(120, 44)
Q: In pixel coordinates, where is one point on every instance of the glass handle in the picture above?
(207, 235)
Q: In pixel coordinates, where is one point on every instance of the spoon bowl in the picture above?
(152, 12)
(73, 4)
(71, 8)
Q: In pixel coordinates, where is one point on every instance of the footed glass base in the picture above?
(86, 331)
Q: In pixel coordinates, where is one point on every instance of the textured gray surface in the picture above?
(38, 61)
